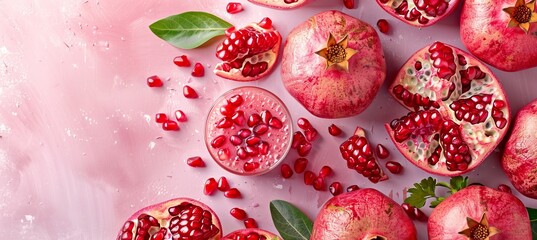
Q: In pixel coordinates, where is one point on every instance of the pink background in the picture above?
(79, 149)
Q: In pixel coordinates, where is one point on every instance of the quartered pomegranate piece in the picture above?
(251, 234)
(248, 53)
(180, 218)
(248, 131)
(280, 4)
(419, 13)
(459, 110)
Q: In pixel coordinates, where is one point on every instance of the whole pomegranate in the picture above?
(519, 159)
(248, 53)
(479, 213)
(501, 32)
(251, 233)
(459, 111)
(420, 13)
(340, 69)
(362, 214)
(180, 218)
(280, 4)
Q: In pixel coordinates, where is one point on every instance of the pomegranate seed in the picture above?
(309, 177)
(181, 61)
(409, 210)
(234, 7)
(253, 120)
(275, 123)
(304, 124)
(195, 162)
(238, 118)
(244, 133)
(382, 152)
(325, 171)
(335, 188)
(418, 65)
(232, 193)
(311, 134)
(223, 154)
(261, 129)
(250, 166)
(265, 116)
(352, 188)
(230, 30)
(180, 116)
(304, 149)
(227, 110)
(394, 167)
(189, 92)
(334, 130)
(198, 70)
(318, 184)
(300, 165)
(236, 100)
(383, 25)
(170, 126)
(154, 81)
(286, 171)
(266, 23)
(263, 148)
(238, 213)
(251, 141)
(235, 140)
(161, 118)
(298, 139)
(241, 153)
(420, 216)
(504, 188)
(250, 223)
(349, 4)
(210, 186)
(224, 122)
(218, 141)
(223, 184)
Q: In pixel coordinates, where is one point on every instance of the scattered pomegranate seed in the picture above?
(325, 171)
(161, 118)
(198, 70)
(195, 162)
(189, 92)
(311, 134)
(335, 188)
(300, 165)
(352, 188)
(265, 23)
(210, 186)
(223, 184)
(409, 210)
(234, 7)
(304, 124)
(318, 184)
(394, 167)
(420, 216)
(180, 116)
(170, 126)
(382, 152)
(334, 130)
(181, 61)
(383, 25)
(238, 213)
(504, 188)
(286, 170)
(298, 139)
(349, 4)
(154, 81)
(250, 223)
(309, 177)
(233, 193)
(304, 149)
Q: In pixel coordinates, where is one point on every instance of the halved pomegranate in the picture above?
(421, 13)
(248, 53)
(460, 111)
(251, 234)
(180, 218)
(280, 4)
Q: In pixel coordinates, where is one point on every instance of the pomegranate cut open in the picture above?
(421, 13)
(248, 53)
(280, 4)
(459, 110)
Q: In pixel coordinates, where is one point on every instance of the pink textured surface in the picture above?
(80, 151)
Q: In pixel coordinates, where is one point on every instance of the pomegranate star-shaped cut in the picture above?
(479, 230)
(522, 14)
(337, 53)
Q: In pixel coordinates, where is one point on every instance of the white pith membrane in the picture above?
(394, 4)
(480, 141)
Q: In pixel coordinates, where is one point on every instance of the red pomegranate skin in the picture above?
(362, 214)
(485, 33)
(332, 92)
(519, 159)
(503, 211)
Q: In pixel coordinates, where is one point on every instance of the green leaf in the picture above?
(189, 30)
(421, 192)
(436, 202)
(291, 223)
(533, 220)
(458, 183)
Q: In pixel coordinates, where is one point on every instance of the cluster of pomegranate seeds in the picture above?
(422, 10)
(181, 61)
(286, 171)
(198, 70)
(504, 188)
(238, 213)
(154, 81)
(250, 223)
(456, 151)
(302, 140)
(335, 188)
(169, 124)
(247, 236)
(334, 130)
(198, 224)
(472, 110)
(415, 101)
(349, 4)
(383, 25)
(195, 162)
(497, 113)
(234, 7)
(443, 60)
(394, 167)
(189, 92)
(222, 185)
(414, 212)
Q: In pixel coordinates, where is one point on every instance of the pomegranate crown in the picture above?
(337, 53)
(522, 14)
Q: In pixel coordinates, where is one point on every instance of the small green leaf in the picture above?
(533, 220)
(421, 192)
(291, 223)
(189, 30)
(436, 202)
(458, 183)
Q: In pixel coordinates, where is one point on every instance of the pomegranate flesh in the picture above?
(251, 233)
(479, 213)
(280, 4)
(459, 111)
(339, 72)
(180, 218)
(248, 53)
(420, 13)
(362, 214)
(519, 159)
